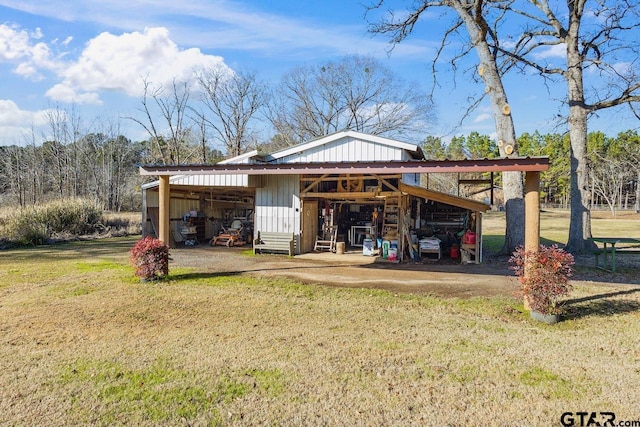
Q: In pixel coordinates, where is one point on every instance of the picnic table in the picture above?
(612, 249)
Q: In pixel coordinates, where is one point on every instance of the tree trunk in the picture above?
(580, 221)
(636, 206)
(512, 182)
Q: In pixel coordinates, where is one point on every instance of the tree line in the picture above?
(614, 165)
(102, 166)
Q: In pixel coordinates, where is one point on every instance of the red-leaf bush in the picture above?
(150, 257)
(544, 276)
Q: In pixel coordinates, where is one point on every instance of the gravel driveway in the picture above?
(443, 278)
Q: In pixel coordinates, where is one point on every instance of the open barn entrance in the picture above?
(379, 215)
(197, 215)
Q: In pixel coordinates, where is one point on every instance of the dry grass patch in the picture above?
(84, 343)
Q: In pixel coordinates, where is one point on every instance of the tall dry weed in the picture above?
(63, 220)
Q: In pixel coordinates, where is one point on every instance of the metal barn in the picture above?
(347, 188)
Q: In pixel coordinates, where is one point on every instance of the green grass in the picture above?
(549, 383)
(554, 227)
(85, 343)
(159, 391)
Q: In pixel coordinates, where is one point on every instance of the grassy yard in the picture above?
(554, 226)
(83, 342)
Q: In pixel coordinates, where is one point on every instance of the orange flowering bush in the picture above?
(150, 257)
(544, 276)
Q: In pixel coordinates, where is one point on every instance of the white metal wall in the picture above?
(278, 205)
(347, 150)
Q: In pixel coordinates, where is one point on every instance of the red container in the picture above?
(469, 238)
(454, 252)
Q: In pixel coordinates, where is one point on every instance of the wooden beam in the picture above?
(165, 198)
(448, 199)
(315, 183)
(388, 184)
(475, 181)
(349, 196)
(329, 178)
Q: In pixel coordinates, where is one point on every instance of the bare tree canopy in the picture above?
(170, 132)
(232, 101)
(355, 92)
(600, 65)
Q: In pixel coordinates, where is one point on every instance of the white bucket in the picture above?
(393, 254)
(367, 247)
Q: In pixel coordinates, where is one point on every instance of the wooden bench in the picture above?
(613, 251)
(274, 242)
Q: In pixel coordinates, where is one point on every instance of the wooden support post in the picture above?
(163, 226)
(531, 218)
(532, 211)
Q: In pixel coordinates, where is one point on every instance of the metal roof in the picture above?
(515, 164)
(318, 142)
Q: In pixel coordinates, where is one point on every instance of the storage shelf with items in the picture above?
(195, 223)
(391, 216)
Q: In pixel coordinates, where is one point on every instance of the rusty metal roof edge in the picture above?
(519, 164)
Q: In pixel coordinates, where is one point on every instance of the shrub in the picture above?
(544, 276)
(150, 257)
(35, 225)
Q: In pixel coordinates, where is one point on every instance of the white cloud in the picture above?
(228, 25)
(108, 62)
(62, 92)
(16, 46)
(121, 62)
(16, 123)
(555, 51)
(482, 117)
(623, 68)
(14, 43)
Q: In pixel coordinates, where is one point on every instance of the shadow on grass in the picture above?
(71, 250)
(493, 243)
(222, 274)
(601, 305)
(203, 275)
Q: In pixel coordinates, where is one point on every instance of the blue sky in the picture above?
(93, 54)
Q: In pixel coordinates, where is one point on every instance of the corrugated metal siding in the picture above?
(278, 204)
(347, 150)
(213, 180)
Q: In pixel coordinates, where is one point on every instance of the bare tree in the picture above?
(600, 38)
(14, 168)
(172, 139)
(478, 31)
(233, 100)
(355, 93)
(56, 153)
(608, 178)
